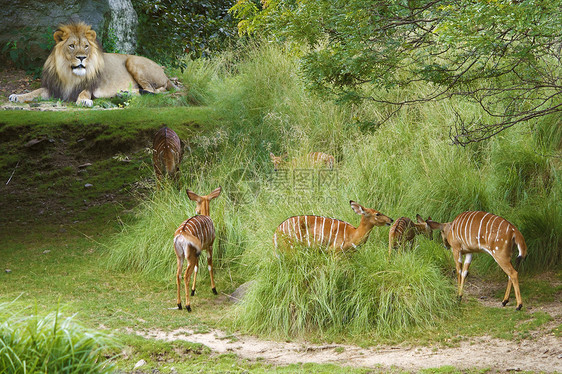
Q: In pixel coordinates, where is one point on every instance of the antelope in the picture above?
(329, 233)
(166, 153)
(474, 231)
(404, 230)
(193, 236)
(319, 158)
(313, 158)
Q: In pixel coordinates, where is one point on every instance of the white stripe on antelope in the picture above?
(404, 230)
(477, 231)
(328, 233)
(166, 153)
(193, 236)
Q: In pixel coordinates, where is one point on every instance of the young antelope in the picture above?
(404, 230)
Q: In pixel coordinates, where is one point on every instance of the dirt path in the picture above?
(543, 354)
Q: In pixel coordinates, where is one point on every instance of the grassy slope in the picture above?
(46, 155)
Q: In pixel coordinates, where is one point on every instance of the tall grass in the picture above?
(50, 343)
(402, 167)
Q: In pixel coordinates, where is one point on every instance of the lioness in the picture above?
(78, 70)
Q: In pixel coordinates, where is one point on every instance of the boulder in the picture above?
(31, 23)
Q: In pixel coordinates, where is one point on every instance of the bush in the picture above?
(367, 292)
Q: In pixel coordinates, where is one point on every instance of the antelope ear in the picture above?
(215, 193)
(193, 196)
(429, 218)
(357, 208)
(420, 219)
(434, 225)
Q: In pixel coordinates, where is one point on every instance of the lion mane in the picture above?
(78, 70)
(58, 79)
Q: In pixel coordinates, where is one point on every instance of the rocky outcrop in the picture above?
(30, 23)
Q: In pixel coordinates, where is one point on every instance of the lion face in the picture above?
(78, 48)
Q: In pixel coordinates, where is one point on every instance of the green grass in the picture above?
(50, 266)
(49, 343)
(401, 168)
(309, 292)
(256, 104)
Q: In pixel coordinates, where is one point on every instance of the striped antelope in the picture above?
(194, 235)
(472, 232)
(313, 158)
(166, 153)
(329, 233)
(404, 230)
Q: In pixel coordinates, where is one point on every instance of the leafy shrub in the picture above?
(28, 52)
(182, 28)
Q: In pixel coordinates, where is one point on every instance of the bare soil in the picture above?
(16, 81)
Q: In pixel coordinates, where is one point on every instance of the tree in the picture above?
(502, 54)
(171, 29)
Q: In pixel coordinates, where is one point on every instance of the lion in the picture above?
(78, 70)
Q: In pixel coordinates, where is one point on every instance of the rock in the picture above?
(27, 22)
(84, 165)
(8, 271)
(139, 364)
(33, 142)
(240, 292)
(88, 185)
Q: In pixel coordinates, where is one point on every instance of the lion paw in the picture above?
(85, 102)
(14, 98)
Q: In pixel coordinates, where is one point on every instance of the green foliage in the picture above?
(296, 294)
(49, 344)
(503, 55)
(109, 42)
(171, 29)
(404, 167)
(27, 51)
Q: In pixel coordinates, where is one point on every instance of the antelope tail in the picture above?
(182, 244)
(522, 246)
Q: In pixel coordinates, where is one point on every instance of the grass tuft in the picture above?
(50, 343)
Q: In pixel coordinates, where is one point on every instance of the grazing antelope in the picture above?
(166, 153)
(472, 232)
(313, 158)
(404, 230)
(194, 235)
(329, 233)
(321, 158)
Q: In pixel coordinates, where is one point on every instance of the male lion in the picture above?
(78, 70)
